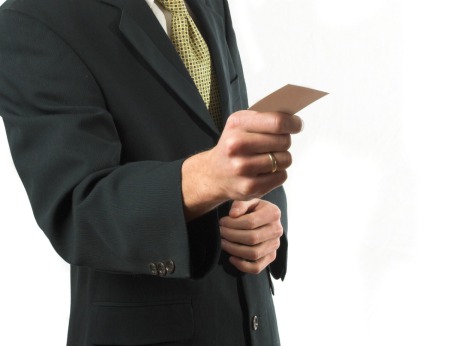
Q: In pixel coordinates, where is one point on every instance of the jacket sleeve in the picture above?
(96, 211)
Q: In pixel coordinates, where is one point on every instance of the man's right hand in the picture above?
(239, 166)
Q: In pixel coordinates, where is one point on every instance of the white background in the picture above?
(369, 260)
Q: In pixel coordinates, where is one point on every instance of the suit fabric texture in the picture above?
(100, 114)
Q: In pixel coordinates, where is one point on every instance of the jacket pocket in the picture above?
(139, 324)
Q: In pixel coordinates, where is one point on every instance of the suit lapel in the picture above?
(211, 26)
(141, 28)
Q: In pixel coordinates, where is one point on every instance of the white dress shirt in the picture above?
(164, 17)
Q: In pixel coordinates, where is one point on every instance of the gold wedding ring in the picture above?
(273, 160)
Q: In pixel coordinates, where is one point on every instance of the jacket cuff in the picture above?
(204, 243)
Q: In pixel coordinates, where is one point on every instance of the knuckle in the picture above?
(253, 238)
(251, 223)
(256, 238)
(248, 188)
(280, 230)
(254, 255)
(278, 124)
(238, 166)
(232, 145)
(256, 268)
(277, 244)
(276, 213)
(277, 230)
(234, 119)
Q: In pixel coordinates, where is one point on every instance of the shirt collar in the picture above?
(151, 3)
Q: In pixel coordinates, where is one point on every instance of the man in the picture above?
(172, 226)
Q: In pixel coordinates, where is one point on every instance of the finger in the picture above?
(257, 143)
(282, 161)
(253, 237)
(251, 253)
(261, 216)
(255, 267)
(239, 208)
(260, 164)
(268, 122)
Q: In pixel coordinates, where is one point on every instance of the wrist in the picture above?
(201, 191)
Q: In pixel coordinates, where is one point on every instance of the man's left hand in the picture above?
(251, 234)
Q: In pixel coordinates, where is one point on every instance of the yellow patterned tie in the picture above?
(194, 52)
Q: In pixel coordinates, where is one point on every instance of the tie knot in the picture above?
(174, 6)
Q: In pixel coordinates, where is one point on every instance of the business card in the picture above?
(288, 99)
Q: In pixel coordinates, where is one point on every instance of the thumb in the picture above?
(239, 208)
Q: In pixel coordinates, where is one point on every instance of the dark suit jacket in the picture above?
(100, 113)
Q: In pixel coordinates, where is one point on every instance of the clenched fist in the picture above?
(251, 234)
(249, 161)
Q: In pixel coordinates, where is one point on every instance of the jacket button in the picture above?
(170, 266)
(152, 268)
(161, 269)
(255, 322)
